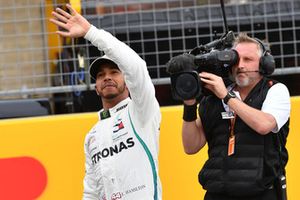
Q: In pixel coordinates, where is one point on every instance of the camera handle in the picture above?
(224, 17)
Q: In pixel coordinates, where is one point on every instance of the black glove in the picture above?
(180, 63)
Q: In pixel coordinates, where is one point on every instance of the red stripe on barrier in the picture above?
(21, 178)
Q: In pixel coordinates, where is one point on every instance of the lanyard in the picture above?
(231, 142)
(232, 123)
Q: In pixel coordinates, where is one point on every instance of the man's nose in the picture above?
(240, 64)
(107, 77)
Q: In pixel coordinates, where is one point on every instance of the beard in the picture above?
(113, 95)
(245, 81)
(242, 83)
(110, 96)
(243, 78)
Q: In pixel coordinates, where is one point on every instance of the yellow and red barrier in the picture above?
(42, 157)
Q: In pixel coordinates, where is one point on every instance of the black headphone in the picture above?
(266, 62)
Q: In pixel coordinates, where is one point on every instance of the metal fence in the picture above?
(35, 62)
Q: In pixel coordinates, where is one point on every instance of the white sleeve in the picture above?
(90, 185)
(277, 103)
(133, 67)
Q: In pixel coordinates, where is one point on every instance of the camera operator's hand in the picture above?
(214, 83)
(180, 63)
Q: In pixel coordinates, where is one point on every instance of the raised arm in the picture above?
(130, 63)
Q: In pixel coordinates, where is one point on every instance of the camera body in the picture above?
(216, 57)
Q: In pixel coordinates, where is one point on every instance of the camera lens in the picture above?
(187, 85)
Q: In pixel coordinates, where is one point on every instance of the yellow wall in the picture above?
(56, 142)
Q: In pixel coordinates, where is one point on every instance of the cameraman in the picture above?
(240, 124)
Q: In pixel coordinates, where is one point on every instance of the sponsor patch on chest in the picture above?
(118, 130)
(113, 150)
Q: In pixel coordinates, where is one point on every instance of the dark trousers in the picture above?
(267, 195)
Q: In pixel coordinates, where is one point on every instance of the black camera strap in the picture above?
(280, 143)
(282, 193)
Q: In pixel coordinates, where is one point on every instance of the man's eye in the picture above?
(115, 72)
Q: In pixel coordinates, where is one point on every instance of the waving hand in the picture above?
(74, 23)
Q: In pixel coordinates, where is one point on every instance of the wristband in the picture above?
(190, 112)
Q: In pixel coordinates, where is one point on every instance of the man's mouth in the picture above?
(109, 85)
(241, 72)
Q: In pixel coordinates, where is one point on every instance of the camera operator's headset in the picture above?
(267, 62)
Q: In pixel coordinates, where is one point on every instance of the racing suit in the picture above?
(122, 148)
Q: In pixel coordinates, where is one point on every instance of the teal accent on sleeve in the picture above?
(154, 173)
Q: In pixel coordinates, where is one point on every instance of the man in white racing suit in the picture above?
(122, 148)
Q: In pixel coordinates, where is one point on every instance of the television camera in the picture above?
(216, 57)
